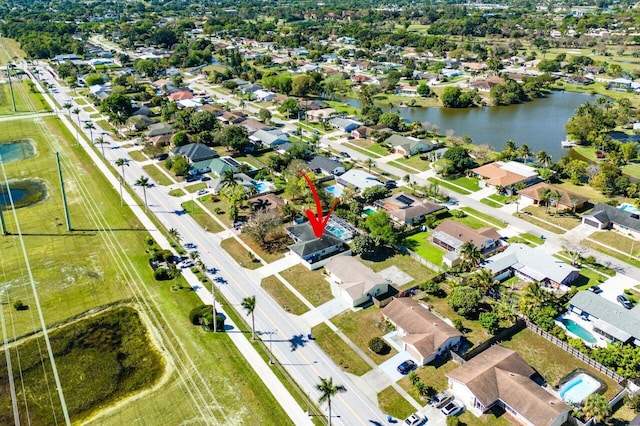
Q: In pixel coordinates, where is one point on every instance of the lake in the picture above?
(539, 123)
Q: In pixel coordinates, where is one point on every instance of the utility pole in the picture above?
(13, 99)
(64, 195)
(213, 295)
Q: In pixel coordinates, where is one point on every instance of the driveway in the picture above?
(616, 285)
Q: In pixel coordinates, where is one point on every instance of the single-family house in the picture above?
(250, 88)
(160, 129)
(409, 146)
(358, 179)
(269, 137)
(404, 89)
(500, 377)
(264, 95)
(364, 132)
(320, 115)
(313, 251)
(426, 336)
(604, 216)
(354, 282)
(322, 164)
(486, 84)
(98, 89)
(407, 209)
(252, 125)
(451, 235)
(565, 200)
(232, 117)
(345, 125)
(532, 264)
(180, 95)
(195, 152)
(607, 318)
(501, 174)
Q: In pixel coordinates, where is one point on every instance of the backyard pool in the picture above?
(578, 388)
(263, 186)
(368, 211)
(341, 228)
(336, 191)
(578, 330)
(630, 208)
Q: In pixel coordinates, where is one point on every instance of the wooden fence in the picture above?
(576, 353)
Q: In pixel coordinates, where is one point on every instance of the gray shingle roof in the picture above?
(605, 213)
(195, 152)
(323, 163)
(626, 321)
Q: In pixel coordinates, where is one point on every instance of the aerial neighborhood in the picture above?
(312, 213)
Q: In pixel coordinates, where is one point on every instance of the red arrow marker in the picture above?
(318, 223)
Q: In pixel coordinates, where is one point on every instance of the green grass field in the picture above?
(420, 244)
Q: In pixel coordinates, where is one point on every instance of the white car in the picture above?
(453, 408)
(185, 264)
(415, 419)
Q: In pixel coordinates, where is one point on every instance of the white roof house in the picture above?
(353, 281)
(264, 95)
(359, 179)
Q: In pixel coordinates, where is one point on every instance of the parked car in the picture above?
(187, 263)
(441, 399)
(595, 289)
(453, 408)
(415, 419)
(191, 178)
(201, 192)
(345, 154)
(205, 178)
(407, 366)
(390, 184)
(624, 302)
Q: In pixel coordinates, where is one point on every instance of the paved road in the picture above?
(303, 359)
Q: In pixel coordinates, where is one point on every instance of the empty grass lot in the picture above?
(391, 402)
(362, 326)
(203, 218)
(157, 175)
(492, 221)
(618, 241)
(471, 221)
(311, 284)
(468, 183)
(491, 203)
(550, 361)
(446, 184)
(338, 350)
(416, 162)
(239, 254)
(420, 244)
(137, 156)
(623, 257)
(283, 296)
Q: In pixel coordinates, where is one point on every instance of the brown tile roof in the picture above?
(181, 95)
(463, 233)
(497, 176)
(567, 198)
(426, 331)
(500, 373)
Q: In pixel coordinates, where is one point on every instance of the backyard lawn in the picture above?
(419, 243)
(550, 361)
(338, 350)
(311, 284)
(283, 296)
(266, 256)
(361, 326)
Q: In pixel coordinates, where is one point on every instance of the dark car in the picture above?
(407, 366)
(595, 289)
(345, 154)
(624, 302)
(191, 178)
(390, 184)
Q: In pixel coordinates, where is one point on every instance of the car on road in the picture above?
(415, 419)
(407, 366)
(201, 192)
(595, 289)
(187, 263)
(453, 408)
(390, 184)
(441, 399)
(624, 301)
(205, 178)
(345, 154)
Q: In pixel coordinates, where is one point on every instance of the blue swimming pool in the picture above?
(629, 208)
(578, 388)
(578, 330)
(262, 186)
(368, 211)
(336, 191)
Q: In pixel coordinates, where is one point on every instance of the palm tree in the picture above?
(249, 305)
(76, 111)
(483, 280)
(596, 406)
(143, 181)
(543, 158)
(524, 152)
(173, 233)
(545, 195)
(91, 127)
(554, 197)
(369, 162)
(229, 179)
(67, 106)
(470, 255)
(121, 162)
(328, 390)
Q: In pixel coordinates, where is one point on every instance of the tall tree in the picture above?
(91, 127)
(121, 162)
(596, 406)
(143, 181)
(470, 255)
(328, 390)
(229, 179)
(543, 158)
(249, 305)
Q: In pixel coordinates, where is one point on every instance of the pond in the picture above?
(23, 193)
(16, 150)
(539, 123)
